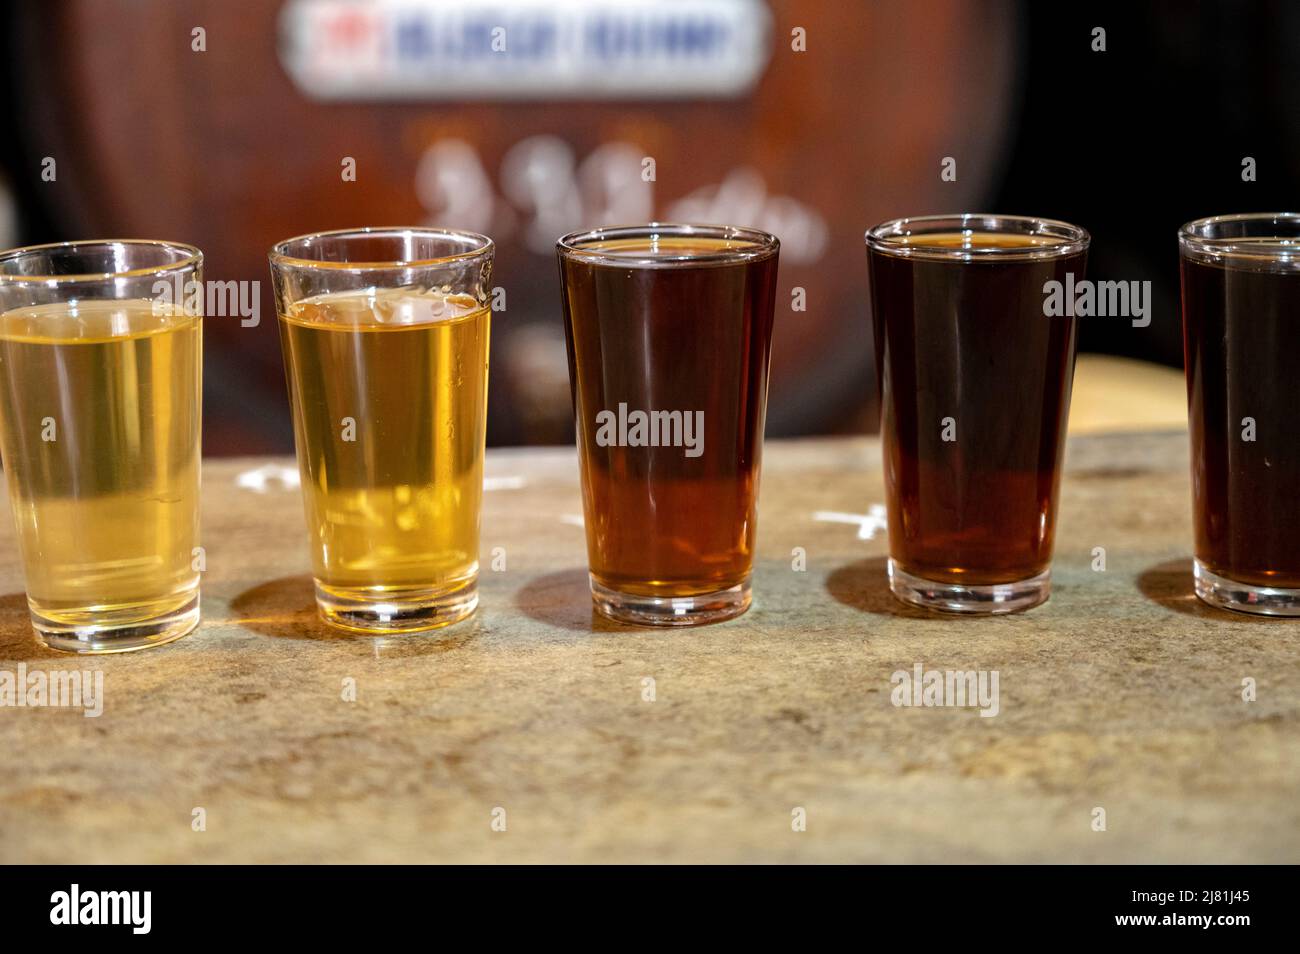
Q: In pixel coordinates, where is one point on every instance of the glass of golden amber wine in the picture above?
(385, 340)
(975, 392)
(100, 404)
(1241, 302)
(669, 331)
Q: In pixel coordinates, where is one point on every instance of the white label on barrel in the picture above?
(524, 49)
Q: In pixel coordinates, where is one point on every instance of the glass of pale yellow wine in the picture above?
(385, 341)
(101, 346)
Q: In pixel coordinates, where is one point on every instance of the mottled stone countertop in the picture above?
(1121, 693)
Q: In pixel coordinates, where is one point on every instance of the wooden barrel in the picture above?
(835, 116)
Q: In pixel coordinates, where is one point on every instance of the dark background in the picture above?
(1151, 134)
(222, 151)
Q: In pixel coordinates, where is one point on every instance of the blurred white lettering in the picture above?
(546, 192)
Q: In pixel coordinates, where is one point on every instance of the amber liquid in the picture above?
(1239, 335)
(99, 423)
(968, 340)
(389, 396)
(680, 336)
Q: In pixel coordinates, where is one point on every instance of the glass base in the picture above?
(695, 610)
(1244, 597)
(102, 633)
(394, 611)
(973, 599)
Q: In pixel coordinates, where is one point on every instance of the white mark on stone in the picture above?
(868, 523)
(260, 480)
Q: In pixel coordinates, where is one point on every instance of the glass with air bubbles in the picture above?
(385, 340)
(100, 404)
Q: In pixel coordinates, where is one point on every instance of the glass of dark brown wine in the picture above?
(975, 391)
(669, 331)
(1241, 302)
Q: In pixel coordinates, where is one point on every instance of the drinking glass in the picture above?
(975, 391)
(385, 340)
(100, 404)
(669, 331)
(1240, 296)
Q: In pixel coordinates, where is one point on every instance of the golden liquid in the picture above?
(397, 506)
(975, 240)
(107, 511)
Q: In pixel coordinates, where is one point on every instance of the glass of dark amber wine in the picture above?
(975, 391)
(101, 353)
(1241, 301)
(385, 340)
(669, 332)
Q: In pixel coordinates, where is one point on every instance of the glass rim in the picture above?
(483, 247)
(575, 245)
(1073, 238)
(1196, 241)
(191, 258)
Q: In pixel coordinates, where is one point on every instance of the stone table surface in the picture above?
(1121, 693)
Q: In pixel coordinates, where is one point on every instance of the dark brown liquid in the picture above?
(1239, 335)
(688, 337)
(968, 340)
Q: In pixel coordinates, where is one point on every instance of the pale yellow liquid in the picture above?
(397, 507)
(107, 511)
